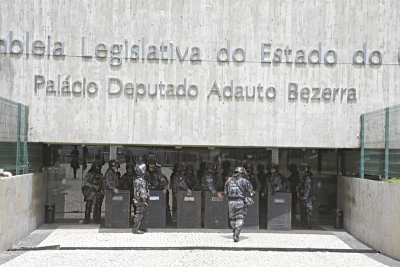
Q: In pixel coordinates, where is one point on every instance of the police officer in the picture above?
(141, 196)
(305, 191)
(252, 178)
(179, 175)
(157, 181)
(126, 181)
(111, 176)
(294, 180)
(94, 183)
(188, 182)
(212, 181)
(273, 182)
(235, 189)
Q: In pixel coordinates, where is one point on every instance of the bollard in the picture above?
(338, 223)
(49, 213)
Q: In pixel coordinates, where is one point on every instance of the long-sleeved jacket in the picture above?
(189, 182)
(212, 182)
(156, 181)
(254, 182)
(306, 191)
(111, 179)
(235, 186)
(273, 184)
(141, 191)
(93, 178)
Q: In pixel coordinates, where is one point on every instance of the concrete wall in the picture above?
(103, 118)
(371, 212)
(22, 206)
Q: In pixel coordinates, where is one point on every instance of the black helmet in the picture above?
(248, 166)
(140, 169)
(189, 167)
(181, 167)
(114, 163)
(130, 165)
(304, 167)
(95, 163)
(151, 160)
(292, 167)
(211, 165)
(274, 166)
(260, 167)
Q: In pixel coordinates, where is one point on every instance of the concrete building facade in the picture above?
(268, 74)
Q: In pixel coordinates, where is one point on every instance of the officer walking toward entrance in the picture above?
(141, 196)
(236, 188)
(93, 184)
(305, 191)
(212, 181)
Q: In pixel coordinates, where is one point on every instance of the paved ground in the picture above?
(89, 245)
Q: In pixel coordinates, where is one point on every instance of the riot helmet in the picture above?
(151, 160)
(131, 166)
(211, 166)
(189, 167)
(274, 166)
(304, 167)
(141, 169)
(239, 170)
(293, 168)
(181, 167)
(113, 163)
(96, 163)
(248, 166)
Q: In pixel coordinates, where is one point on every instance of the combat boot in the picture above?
(308, 220)
(88, 210)
(303, 218)
(236, 235)
(136, 225)
(97, 212)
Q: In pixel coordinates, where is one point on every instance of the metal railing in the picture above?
(13, 136)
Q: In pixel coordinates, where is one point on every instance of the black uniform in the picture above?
(189, 181)
(306, 194)
(235, 189)
(294, 180)
(111, 179)
(156, 181)
(75, 162)
(255, 183)
(126, 182)
(273, 183)
(94, 178)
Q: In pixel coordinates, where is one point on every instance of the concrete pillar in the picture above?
(113, 152)
(275, 155)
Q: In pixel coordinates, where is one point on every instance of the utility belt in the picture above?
(236, 198)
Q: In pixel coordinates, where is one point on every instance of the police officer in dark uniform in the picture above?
(235, 189)
(157, 181)
(126, 181)
(111, 176)
(252, 178)
(178, 176)
(141, 196)
(294, 180)
(273, 182)
(189, 182)
(94, 185)
(212, 181)
(305, 191)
